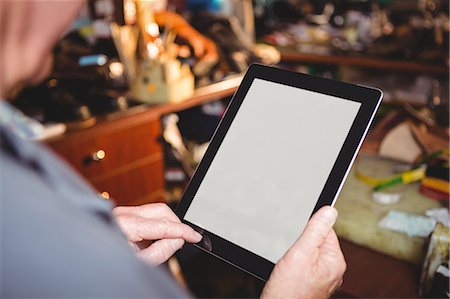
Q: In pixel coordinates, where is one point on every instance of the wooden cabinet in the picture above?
(121, 158)
(110, 152)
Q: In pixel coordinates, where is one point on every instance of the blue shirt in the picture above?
(58, 238)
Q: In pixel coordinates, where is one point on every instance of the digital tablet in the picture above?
(281, 151)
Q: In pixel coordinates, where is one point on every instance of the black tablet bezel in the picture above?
(369, 98)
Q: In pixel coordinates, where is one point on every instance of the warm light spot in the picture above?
(152, 29)
(116, 69)
(105, 195)
(152, 50)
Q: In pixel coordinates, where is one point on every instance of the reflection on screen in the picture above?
(266, 178)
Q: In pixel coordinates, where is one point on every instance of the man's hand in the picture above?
(154, 231)
(314, 265)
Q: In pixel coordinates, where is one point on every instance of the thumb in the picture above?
(318, 228)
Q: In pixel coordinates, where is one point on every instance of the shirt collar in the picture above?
(19, 123)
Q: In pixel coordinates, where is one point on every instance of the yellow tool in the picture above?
(403, 178)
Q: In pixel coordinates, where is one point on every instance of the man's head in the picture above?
(28, 31)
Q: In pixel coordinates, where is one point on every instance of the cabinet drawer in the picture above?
(96, 156)
(140, 185)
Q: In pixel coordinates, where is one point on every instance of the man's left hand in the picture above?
(154, 231)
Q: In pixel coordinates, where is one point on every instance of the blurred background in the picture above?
(139, 86)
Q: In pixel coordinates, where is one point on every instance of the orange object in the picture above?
(436, 184)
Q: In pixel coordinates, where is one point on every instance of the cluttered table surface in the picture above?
(372, 270)
(385, 240)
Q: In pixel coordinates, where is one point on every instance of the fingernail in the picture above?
(330, 214)
(198, 236)
(177, 244)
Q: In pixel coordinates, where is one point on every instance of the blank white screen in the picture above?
(266, 178)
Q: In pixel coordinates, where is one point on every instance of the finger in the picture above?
(139, 228)
(160, 251)
(153, 210)
(318, 228)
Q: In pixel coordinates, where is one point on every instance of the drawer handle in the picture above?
(105, 195)
(98, 155)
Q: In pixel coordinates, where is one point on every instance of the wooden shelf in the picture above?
(201, 95)
(145, 112)
(377, 63)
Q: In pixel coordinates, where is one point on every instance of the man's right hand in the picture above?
(314, 265)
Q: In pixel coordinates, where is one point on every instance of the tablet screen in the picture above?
(271, 167)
